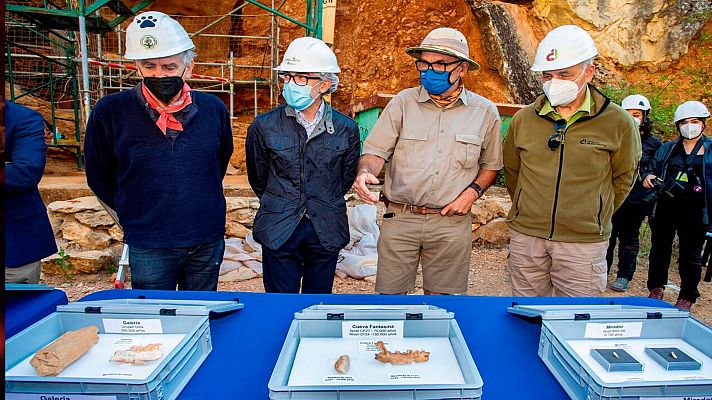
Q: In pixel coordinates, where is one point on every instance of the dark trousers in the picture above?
(191, 268)
(691, 237)
(626, 230)
(302, 260)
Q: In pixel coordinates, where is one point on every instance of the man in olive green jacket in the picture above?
(570, 159)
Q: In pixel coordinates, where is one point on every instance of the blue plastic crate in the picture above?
(165, 382)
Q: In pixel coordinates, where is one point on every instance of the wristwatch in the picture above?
(477, 188)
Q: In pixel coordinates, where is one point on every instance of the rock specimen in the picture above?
(398, 357)
(68, 348)
(343, 364)
(138, 355)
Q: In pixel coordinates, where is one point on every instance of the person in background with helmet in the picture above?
(681, 171)
(570, 159)
(444, 147)
(157, 154)
(301, 160)
(628, 218)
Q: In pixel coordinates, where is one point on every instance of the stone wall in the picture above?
(93, 242)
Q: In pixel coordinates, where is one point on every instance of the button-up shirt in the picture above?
(310, 126)
(434, 153)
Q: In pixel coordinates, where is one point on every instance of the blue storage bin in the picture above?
(419, 321)
(174, 370)
(565, 324)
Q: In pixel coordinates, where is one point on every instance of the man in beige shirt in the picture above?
(444, 150)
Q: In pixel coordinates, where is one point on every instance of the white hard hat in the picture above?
(564, 47)
(445, 41)
(154, 34)
(308, 54)
(691, 109)
(636, 102)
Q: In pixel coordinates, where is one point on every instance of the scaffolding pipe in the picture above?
(232, 85)
(101, 70)
(243, 5)
(271, 56)
(255, 96)
(85, 66)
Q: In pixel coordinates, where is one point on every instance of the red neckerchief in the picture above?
(166, 119)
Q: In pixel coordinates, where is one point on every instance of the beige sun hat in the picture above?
(445, 41)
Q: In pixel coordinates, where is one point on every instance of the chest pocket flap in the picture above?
(469, 138)
(414, 134)
(280, 142)
(336, 143)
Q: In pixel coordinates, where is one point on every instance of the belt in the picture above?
(409, 207)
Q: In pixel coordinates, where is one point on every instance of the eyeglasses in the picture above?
(436, 66)
(298, 79)
(557, 137)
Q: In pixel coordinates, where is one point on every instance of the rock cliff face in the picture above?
(631, 32)
(371, 36)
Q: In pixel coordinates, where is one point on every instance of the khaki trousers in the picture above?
(540, 267)
(443, 245)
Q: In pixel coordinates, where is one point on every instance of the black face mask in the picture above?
(165, 89)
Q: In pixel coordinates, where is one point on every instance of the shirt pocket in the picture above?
(414, 146)
(467, 149)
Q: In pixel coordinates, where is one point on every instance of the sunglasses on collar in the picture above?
(557, 137)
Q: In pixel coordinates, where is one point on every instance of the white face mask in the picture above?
(690, 131)
(637, 122)
(561, 91)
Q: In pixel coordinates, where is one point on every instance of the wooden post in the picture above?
(328, 23)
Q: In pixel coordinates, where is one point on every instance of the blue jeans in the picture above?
(302, 261)
(191, 268)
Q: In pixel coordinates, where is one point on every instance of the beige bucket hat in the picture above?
(445, 41)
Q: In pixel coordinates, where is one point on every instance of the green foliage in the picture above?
(500, 179)
(700, 16)
(112, 268)
(64, 264)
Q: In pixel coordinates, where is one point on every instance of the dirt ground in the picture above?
(488, 277)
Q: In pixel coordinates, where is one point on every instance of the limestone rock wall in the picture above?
(93, 242)
(652, 32)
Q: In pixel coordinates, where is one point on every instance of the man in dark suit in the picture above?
(28, 233)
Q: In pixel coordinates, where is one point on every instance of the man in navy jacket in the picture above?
(301, 161)
(157, 154)
(28, 234)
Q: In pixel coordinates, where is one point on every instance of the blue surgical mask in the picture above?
(435, 82)
(298, 97)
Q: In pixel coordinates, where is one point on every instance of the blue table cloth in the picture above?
(246, 343)
(24, 308)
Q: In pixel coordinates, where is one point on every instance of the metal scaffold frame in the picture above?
(91, 66)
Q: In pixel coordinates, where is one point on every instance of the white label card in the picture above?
(339, 379)
(26, 396)
(404, 377)
(613, 330)
(369, 346)
(372, 329)
(678, 398)
(132, 326)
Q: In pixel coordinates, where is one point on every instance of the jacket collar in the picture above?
(424, 97)
(326, 123)
(599, 102)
